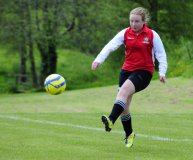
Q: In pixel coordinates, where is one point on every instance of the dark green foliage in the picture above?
(74, 66)
(86, 26)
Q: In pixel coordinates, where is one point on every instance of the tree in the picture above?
(85, 25)
(30, 43)
(49, 29)
(16, 27)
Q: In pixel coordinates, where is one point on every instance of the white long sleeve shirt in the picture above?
(141, 50)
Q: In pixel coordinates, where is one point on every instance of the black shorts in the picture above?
(139, 78)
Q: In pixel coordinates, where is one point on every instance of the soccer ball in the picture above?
(55, 84)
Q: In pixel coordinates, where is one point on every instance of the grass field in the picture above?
(38, 126)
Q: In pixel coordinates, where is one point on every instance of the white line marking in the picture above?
(153, 137)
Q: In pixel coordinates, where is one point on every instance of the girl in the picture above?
(141, 45)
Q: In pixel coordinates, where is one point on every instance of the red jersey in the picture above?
(138, 52)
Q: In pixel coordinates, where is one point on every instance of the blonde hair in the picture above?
(143, 12)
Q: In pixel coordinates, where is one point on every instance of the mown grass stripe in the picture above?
(153, 137)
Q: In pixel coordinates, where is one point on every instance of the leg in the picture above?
(126, 119)
(127, 125)
(127, 109)
(130, 83)
(120, 105)
(140, 84)
(122, 98)
(126, 91)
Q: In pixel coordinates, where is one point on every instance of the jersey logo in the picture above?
(146, 40)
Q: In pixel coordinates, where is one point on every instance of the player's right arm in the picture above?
(111, 46)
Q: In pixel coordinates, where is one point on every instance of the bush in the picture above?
(75, 67)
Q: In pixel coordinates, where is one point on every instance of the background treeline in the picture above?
(40, 37)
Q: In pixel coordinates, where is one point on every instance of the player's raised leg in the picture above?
(126, 90)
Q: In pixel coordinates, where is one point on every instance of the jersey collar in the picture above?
(145, 30)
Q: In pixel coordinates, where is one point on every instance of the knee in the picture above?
(125, 93)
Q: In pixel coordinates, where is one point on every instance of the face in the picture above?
(136, 23)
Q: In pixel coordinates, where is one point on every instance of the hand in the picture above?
(95, 65)
(162, 79)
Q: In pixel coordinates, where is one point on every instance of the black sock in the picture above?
(117, 110)
(126, 121)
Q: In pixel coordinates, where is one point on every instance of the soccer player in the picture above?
(142, 44)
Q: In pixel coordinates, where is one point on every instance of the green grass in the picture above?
(46, 127)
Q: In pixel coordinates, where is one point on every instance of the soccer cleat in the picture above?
(107, 122)
(129, 140)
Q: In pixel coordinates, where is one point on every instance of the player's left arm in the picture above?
(160, 54)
